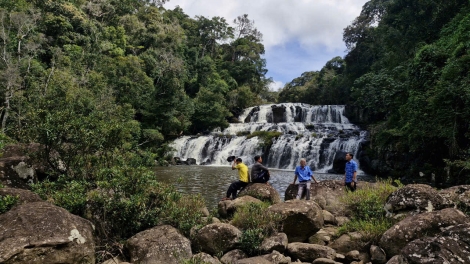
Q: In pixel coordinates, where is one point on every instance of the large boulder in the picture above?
(377, 255)
(228, 207)
(24, 196)
(451, 246)
(415, 198)
(233, 256)
(217, 238)
(327, 194)
(17, 172)
(159, 245)
(347, 243)
(300, 219)
(339, 163)
(309, 252)
(458, 195)
(40, 232)
(418, 226)
(261, 191)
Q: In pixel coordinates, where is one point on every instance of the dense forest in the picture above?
(406, 72)
(102, 86)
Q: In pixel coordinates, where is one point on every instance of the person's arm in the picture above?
(263, 167)
(355, 172)
(234, 165)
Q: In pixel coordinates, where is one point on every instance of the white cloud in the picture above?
(315, 26)
(276, 85)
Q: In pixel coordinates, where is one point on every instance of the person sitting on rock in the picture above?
(305, 175)
(241, 183)
(259, 173)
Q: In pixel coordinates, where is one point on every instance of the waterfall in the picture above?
(313, 132)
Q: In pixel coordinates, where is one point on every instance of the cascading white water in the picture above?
(315, 133)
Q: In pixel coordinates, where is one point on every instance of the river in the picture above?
(212, 181)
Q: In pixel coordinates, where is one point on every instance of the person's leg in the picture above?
(232, 190)
(349, 187)
(300, 191)
(240, 186)
(307, 186)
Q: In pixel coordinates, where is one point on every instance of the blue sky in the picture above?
(298, 35)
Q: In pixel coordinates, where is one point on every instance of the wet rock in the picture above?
(451, 246)
(279, 113)
(377, 255)
(276, 242)
(40, 232)
(261, 191)
(159, 245)
(191, 161)
(418, 226)
(24, 196)
(217, 238)
(339, 163)
(309, 252)
(228, 207)
(300, 219)
(415, 198)
(233, 256)
(205, 258)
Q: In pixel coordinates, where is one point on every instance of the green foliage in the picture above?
(256, 223)
(7, 202)
(365, 207)
(266, 137)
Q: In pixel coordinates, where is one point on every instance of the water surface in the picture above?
(212, 181)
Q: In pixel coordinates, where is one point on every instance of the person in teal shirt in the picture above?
(305, 175)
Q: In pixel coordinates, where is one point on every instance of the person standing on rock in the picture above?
(259, 173)
(350, 175)
(241, 183)
(305, 175)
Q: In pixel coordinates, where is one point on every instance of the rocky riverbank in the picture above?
(428, 228)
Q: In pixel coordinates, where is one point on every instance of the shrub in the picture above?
(243, 133)
(365, 207)
(266, 137)
(256, 223)
(7, 202)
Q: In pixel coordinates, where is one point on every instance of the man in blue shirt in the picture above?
(305, 175)
(350, 176)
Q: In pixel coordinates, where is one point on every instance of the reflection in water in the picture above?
(211, 182)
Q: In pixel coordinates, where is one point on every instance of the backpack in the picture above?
(262, 177)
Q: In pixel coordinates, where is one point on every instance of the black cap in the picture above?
(231, 158)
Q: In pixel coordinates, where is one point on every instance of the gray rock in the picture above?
(277, 242)
(233, 256)
(300, 219)
(217, 238)
(324, 261)
(40, 232)
(205, 258)
(261, 191)
(341, 220)
(451, 246)
(228, 207)
(415, 198)
(458, 195)
(398, 259)
(309, 252)
(347, 242)
(418, 226)
(274, 257)
(353, 255)
(159, 245)
(24, 196)
(377, 255)
(329, 218)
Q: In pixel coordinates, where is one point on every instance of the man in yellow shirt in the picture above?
(242, 182)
